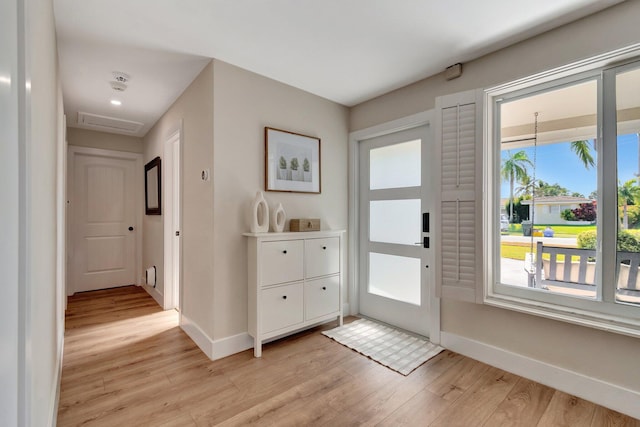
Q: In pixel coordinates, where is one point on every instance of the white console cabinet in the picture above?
(295, 281)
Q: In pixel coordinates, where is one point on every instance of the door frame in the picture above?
(172, 290)
(412, 121)
(72, 152)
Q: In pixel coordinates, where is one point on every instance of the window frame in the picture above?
(603, 312)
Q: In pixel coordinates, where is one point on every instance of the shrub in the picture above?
(568, 215)
(585, 212)
(587, 239)
(633, 215)
(628, 241)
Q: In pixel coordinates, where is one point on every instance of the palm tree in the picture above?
(628, 193)
(514, 168)
(583, 151)
(527, 187)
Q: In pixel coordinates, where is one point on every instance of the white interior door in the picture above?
(103, 222)
(394, 262)
(172, 222)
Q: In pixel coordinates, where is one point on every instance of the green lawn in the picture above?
(558, 230)
(517, 251)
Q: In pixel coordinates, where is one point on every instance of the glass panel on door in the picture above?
(395, 221)
(395, 166)
(395, 277)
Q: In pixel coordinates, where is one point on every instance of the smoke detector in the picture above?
(117, 86)
(121, 77)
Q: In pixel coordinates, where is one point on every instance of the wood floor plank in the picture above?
(479, 401)
(296, 406)
(454, 382)
(524, 406)
(566, 410)
(607, 418)
(421, 409)
(127, 363)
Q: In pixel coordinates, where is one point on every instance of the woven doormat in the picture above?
(390, 347)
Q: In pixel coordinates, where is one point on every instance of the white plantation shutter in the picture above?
(458, 149)
(458, 130)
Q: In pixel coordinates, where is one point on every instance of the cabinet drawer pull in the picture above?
(324, 288)
(324, 247)
(284, 297)
(284, 252)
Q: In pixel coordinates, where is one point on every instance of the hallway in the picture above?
(127, 363)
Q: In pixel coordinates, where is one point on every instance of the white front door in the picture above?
(103, 215)
(394, 222)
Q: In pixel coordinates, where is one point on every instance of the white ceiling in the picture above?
(347, 51)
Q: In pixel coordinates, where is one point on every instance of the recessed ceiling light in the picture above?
(116, 102)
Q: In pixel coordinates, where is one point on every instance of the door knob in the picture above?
(130, 228)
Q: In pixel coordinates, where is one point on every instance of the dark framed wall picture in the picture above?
(292, 162)
(152, 187)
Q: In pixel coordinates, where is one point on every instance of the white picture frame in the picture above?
(292, 162)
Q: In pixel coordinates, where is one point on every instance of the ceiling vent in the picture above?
(109, 124)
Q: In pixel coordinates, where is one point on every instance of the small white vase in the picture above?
(259, 214)
(278, 218)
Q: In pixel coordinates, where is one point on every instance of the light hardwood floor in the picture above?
(127, 363)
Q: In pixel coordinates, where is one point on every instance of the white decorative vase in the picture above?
(278, 218)
(259, 214)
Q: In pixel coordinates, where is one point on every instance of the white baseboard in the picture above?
(231, 345)
(58, 381)
(591, 389)
(215, 349)
(155, 294)
(198, 336)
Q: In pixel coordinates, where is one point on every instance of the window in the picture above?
(564, 163)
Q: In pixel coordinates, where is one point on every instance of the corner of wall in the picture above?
(215, 349)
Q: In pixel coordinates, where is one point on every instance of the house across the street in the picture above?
(548, 208)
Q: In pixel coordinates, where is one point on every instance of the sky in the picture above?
(556, 163)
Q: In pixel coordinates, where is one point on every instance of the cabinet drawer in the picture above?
(321, 297)
(281, 262)
(281, 307)
(322, 256)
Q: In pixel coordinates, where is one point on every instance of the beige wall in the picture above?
(12, 313)
(43, 341)
(224, 112)
(194, 108)
(611, 29)
(606, 356)
(244, 103)
(106, 141)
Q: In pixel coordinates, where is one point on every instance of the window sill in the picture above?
(619, 325)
